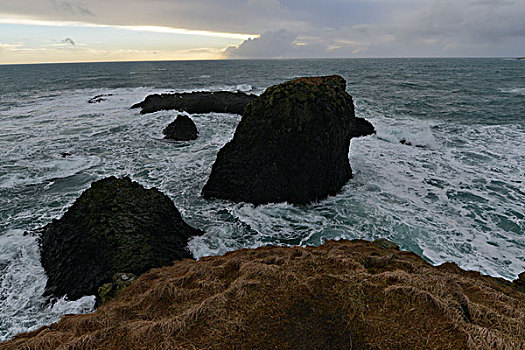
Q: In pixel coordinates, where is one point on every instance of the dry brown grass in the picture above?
(342, 295)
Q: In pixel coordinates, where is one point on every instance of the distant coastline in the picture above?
(520, 58)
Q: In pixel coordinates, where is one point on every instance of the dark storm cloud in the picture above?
(71, 8)
(308, 28)
(424, 28)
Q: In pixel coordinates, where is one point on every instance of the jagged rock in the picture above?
(197, 102)
(99, 98)
(182, 129)
(116, 225)
(291, 145)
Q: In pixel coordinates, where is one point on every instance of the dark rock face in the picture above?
(197, 102)
(291, 145)
(182, 129)
(116, 225)
(519, 283)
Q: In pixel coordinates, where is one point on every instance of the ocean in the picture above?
(454, 191)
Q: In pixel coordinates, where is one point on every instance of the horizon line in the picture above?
(264, 59)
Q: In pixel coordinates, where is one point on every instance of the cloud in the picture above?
(404, 28)
(8, 47)
(16, 55)
(456, 28)
(233, 16)
(271, 44)
(71, 8)
(308, 28)
(68, 41)
(284, 44)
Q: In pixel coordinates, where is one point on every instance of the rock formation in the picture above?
(197, 102)
(115, 226)
(291, 145)
(341, 295)
(182, 129)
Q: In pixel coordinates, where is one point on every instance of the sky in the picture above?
(48, 31)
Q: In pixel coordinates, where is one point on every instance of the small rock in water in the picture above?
(408, 143)
(99, 98)
(65, 154)
(182, 129)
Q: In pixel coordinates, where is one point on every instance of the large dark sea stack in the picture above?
(116, 226)
(291, 145)
(181, 129)
(197, 102)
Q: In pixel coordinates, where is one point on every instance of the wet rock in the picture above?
(99, 98)
(408, 143)
(197, 102)
(182, 129)
(291, 145)
(116, 225)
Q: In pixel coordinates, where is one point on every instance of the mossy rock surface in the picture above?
(116, 225)
(291, 145)
(107, 291)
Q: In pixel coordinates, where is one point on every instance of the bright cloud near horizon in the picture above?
(45, 31)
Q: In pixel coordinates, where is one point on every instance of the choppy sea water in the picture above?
(457, 194)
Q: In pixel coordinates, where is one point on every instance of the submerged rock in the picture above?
(197, 102)
(182, 129)
(341, 295)
(291, 145)
(116, 225)
(408, 143)
(99, 98)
